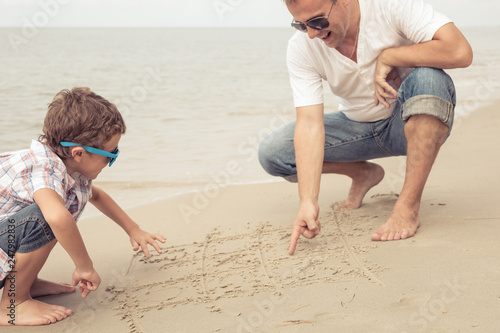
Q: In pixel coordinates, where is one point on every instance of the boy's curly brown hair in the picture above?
(80, 116)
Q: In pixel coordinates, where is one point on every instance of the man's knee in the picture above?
(425, 81)
(428, 91)
(267, 155)
(264, 156)
(276, 155)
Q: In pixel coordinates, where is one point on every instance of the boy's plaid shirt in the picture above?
(24, 172)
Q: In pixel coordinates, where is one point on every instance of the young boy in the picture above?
(43, 191)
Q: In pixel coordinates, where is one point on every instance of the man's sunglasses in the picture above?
(113, 155)
(317, 23)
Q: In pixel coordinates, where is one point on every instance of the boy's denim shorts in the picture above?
(425, 91)
(31, 231)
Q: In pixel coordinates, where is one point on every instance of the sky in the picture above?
(197, 13)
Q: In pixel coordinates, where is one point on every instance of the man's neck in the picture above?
(349, 45)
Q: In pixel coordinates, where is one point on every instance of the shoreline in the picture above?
(128, 200)
(126, 194)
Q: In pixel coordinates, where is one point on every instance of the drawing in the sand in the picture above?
(243, 265)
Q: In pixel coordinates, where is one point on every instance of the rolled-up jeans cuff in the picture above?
(430, 105)
(292, 178)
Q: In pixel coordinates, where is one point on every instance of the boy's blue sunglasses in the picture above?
(113, 155)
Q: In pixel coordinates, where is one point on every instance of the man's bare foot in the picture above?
(44, 288)
(33, 313)
(398, 226)
(361, 184)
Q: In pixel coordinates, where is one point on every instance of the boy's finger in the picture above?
(156, 246)
(160, 237)
(145, 249)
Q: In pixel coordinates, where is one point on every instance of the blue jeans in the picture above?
(425, 91)
(31, 232)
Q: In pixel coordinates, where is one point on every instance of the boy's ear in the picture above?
(77, 153)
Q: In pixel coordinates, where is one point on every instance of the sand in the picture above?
(225, 266)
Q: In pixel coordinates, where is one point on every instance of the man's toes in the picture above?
(376, 236)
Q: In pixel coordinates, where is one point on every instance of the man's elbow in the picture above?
(457, 50)
(464, 57)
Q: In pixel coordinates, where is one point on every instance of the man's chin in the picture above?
(330, 40)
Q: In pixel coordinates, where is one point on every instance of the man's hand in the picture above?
(140, 239)
(383, 74)
(306, 224)
(88, 280)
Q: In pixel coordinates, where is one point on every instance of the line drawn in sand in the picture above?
(243, 265)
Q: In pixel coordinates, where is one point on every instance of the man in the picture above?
(366, 51)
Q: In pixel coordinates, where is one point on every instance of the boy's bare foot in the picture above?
(361, 184)
(33, 313)
(41, 288)
(400, 225)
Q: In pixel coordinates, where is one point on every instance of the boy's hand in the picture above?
(141, 238)
(89, 281)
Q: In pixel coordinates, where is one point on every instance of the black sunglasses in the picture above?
(317, 23)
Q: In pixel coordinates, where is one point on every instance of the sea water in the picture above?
(196, 101)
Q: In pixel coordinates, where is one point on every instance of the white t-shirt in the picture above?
(384, 24)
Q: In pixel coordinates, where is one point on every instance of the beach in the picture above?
(225, 266)
(197, 103)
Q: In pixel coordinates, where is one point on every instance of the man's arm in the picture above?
(138, 237)
(309, 141)
(447, 49)
(67, 234)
